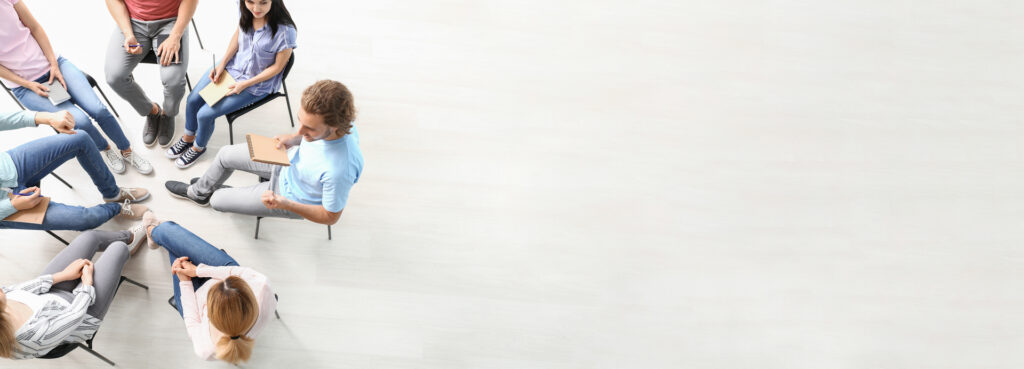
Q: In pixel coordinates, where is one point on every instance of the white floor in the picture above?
(675, 184)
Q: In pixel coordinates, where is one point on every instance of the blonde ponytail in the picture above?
(234, 351)
(233, 311)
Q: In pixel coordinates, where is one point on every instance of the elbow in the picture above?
(331, 218)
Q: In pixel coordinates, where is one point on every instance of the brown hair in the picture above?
(331, 100)
(7, 340)
(233, 311)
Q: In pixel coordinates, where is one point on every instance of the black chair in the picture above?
(240, 112)
(64, 349)
(258, 219)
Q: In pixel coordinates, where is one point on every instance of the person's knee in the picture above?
(173, 77)
(119, 251)
(117, 77)
(80, 117)
(206, 116)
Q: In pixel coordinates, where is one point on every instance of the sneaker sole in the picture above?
(172, 156)
(149, 144)
(207, 204)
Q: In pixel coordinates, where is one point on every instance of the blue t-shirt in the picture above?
(322, 172)
(257, 50)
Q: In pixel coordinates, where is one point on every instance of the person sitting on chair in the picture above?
(141, 26)
(224, 306)
(28, 64)
(325, 163)
(22, 167)
(69, 301)
(255, 58)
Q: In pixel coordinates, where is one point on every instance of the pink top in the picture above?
(195, 312)
(151, 10)
(19, 52)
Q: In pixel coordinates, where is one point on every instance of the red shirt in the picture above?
(151, 10)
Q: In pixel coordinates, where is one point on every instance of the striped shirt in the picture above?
(58, 322)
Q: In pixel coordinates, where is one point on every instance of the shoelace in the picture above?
(190, 155)
(113, 158)
(126, 208)
(180, 145)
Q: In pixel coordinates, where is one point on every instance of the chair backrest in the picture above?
(60, 351)
(15, 98)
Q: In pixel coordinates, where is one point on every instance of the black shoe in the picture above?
(166, 132)
(180, 190)
(188, 158)
(149, 131)
(178, 148)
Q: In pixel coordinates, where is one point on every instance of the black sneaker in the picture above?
(188, 158)
(149, 131)
(166, 132)
(178, 148)
(180, 190)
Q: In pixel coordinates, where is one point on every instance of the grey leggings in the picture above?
(107, 271)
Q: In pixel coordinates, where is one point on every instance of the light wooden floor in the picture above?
(645, 184)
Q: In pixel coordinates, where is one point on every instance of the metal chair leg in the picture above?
(328, 232)
(57, 237)
(188, 82)
(86, 348)
(111, 106)
(196, 29)
(62, 180)
(132, 281)
(257, 235)
(288, 102)
(231, 131)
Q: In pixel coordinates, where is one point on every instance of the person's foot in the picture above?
(188, 158)
(150, 130)
(138, 235)
(166, 132)
(141, 165)
(149, 221)
(129, 193)
(132, 211)
(114, 161)
(178, 148)
(180, 190)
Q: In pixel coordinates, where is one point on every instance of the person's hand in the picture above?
(179, 268)
(131, 45)
(62, 121)
(26, 202)
(55, 74)
(283, 141)
(39, 88)
(237, 88)
(87, 273)
(168, 50)
(272, 201)
(216, 72)
(72, 272)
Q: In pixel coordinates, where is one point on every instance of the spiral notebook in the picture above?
(263, 149)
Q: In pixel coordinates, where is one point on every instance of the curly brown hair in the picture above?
(332, 101)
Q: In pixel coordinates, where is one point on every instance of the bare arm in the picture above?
(119, 11)
(10, 76)
(273, 70)
(232, 49)
(314, 213)
(185, 12)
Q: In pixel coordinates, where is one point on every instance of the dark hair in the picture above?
(331, 100)
(277, 16)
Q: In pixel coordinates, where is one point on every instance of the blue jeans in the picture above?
(180, 242)
(37, 158)
(85, 98)
(69, 217)
(199, 117)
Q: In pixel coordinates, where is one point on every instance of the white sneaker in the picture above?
(140, 164)
(138, 235)
(114, 161)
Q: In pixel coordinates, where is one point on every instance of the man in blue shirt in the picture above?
(325, 163)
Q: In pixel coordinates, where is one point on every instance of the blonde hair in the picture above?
(233, 311)
(7, 340)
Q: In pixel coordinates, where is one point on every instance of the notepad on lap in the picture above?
(263, 149)
(34, 215)
(213, 92)
(57, 93)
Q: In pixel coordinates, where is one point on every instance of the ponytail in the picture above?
(233, 311)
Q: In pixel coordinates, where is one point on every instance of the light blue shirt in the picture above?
(322, 172)
(8, 172)
(257, 51)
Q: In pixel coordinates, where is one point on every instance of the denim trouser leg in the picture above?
(37, 158)
(83, 95)
(61, 217)
(180, 242)
(200, 117)
(82, 120)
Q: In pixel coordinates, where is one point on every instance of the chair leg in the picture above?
(257, 235)
(15, 98)
(132, 281)
(58, 238)
(288, 103)
(328, 232)
(231, 132)
(86, 348)
(111, 106)
(196, 29)
(188, 82)
(61, 180)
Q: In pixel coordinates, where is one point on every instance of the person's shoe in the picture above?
(150, 130)
(138, 235)
(149, 220)
(137, 162)
(132, 211)
(180, 190)
(114, 161)
(188, 158)
(166, 133)
(129, 193)
(178, 148)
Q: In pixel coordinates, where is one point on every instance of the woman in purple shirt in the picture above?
(256, 55)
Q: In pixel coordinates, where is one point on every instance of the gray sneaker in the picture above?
(166, 131)
(149, 131)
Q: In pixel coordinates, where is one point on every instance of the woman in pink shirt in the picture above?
(28, 64)
(225, 306)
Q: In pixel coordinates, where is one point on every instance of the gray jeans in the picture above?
(106, 272)
(121, 64)
(242, 200)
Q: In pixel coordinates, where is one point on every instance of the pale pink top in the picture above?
(195, 312)
(151, 10)
(19, 52)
